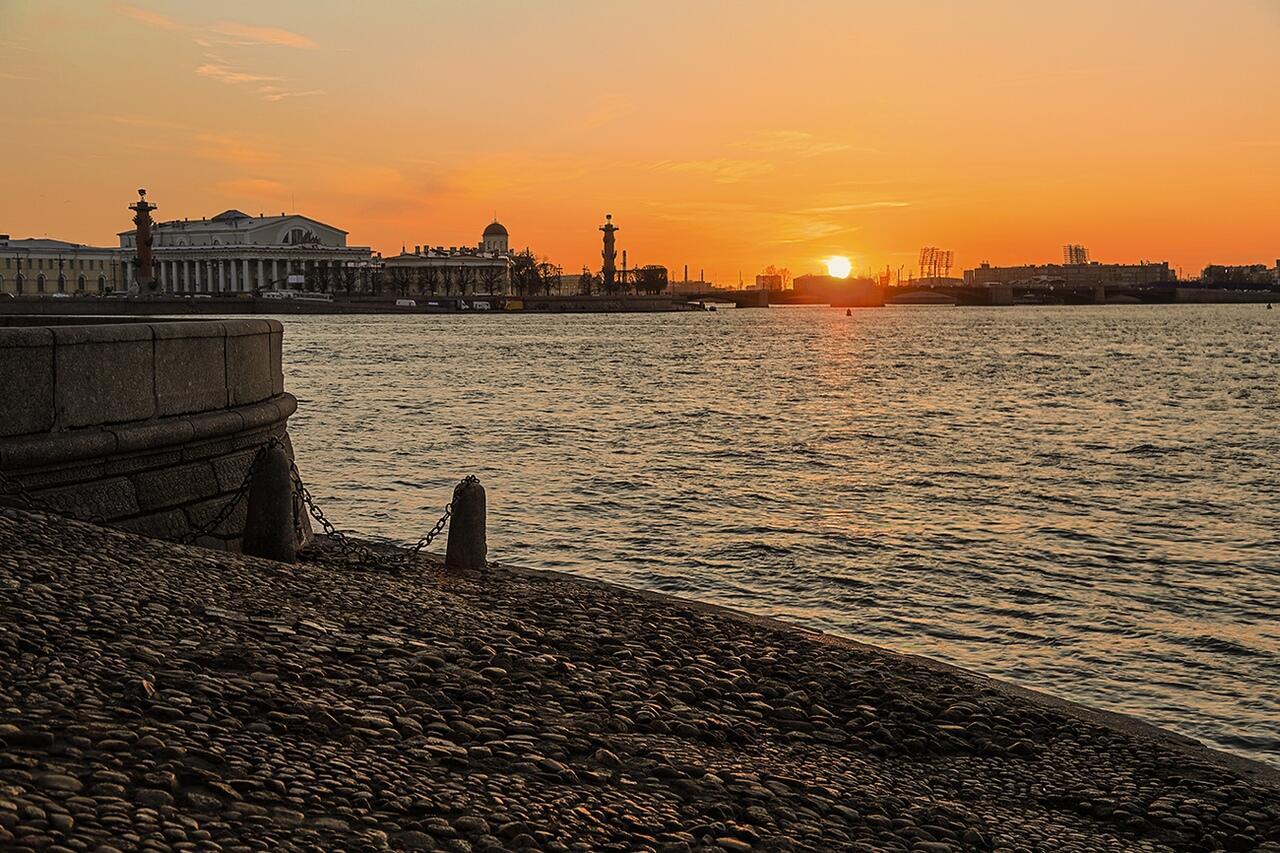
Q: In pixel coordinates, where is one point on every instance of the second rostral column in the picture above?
(610, 253)
(145, 276)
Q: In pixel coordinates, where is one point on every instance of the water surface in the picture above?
(1083, 500)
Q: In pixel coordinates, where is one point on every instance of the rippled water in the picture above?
(1083, 500)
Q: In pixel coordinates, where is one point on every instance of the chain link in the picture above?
(394, 556)
(358, 551)
(241, 493)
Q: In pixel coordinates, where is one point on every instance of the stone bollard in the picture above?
(268, 527)
(467, 548)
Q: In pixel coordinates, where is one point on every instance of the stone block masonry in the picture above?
(150, 426)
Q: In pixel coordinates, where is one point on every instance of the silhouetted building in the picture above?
(1240, 275)
(1071, 275)
(769, 282)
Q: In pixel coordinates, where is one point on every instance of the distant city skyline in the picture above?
(756, 136)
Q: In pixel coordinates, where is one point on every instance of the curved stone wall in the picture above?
(150, 426)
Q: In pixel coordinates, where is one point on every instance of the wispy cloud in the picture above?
(225, 74)
(275, 93)
(151, 19)
(722, 170)
(857, 205)
(221, 32)
(10, 75)
(796, 142)
(245, 34)
(232, 35)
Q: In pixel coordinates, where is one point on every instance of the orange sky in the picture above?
(725, 135)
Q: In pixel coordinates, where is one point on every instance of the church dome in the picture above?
(495, 229)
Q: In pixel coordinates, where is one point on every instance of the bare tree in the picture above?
(585, 281)
(401, 278)
(466, 280)
(431, 279)
(490, 278)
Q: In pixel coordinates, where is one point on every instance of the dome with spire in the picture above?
(495, 229)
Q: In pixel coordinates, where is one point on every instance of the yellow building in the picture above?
(38, 265)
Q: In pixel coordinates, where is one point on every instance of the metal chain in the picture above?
(240, 494)
(362, 554)
(303, 499)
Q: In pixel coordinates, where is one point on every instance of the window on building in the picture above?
(40, 263)
(80, 284)
(40, 283)
(17, 284)
(102, 284)
(62, 283)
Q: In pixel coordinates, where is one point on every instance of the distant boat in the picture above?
(848, 312)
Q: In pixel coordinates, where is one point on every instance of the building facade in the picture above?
(456, 269)
(39, 265)
(1071, 275)
(237, 253)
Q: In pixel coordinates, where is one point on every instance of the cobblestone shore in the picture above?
(159, 697)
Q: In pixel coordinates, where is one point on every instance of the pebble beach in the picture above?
(161, 697)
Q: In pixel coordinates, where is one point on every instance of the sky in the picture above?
(722, 135)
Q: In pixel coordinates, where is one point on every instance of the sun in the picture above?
(838, 266)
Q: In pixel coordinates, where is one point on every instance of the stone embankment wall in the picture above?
(150, 426)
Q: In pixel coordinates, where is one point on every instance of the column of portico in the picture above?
(232, 277)
(128, 274)
(195, 268)
(262, 275)
(245, 284)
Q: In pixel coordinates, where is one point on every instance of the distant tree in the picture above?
(524, 273)
(490, 278)
(548, 276)
(782, 272)
(466, 280)
(401, 278)
(431, 279)
(347, 278)
(651, 280)
(585, 281)
(447, 279)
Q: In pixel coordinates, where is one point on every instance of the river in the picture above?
(1082, 500)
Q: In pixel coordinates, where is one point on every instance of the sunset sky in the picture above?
(724, 135)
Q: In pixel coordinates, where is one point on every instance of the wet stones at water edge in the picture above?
(159, 697)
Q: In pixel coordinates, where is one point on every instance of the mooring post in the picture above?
(268, 528)
(467, 548)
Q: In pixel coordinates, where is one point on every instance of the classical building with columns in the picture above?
(39, 265)
(234, 252)
(456, 269)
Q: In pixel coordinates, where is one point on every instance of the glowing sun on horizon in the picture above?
(838, 266)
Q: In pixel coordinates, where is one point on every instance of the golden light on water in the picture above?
(838, 266)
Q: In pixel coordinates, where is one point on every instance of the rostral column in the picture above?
(609, 254)
(142, 241)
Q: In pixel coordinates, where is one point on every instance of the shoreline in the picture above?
(1130, 724)
(148, 688)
